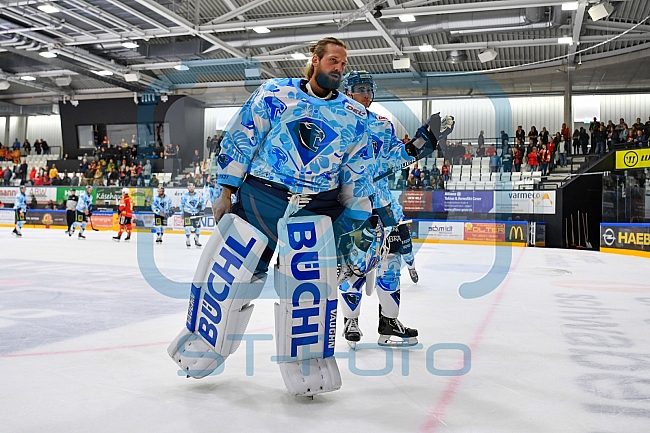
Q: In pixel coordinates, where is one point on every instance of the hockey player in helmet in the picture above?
(82, 212)
(125, 210)
(192, 206)
(161, 208)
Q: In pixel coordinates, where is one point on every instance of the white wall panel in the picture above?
(17, 129)
(629, 107)
(47, 128)
(217, 118)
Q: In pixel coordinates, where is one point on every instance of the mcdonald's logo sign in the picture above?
(516, 233)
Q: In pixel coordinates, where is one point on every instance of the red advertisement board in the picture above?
(416, 201)
(485, 232)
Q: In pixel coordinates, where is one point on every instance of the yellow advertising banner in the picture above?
(629, 159)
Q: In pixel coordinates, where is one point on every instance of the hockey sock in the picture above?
(128, 229)
(19, 225)
(83, 226)
(119, 233)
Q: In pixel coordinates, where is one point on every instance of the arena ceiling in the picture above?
(217, 50)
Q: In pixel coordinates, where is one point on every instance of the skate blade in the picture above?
(393, 341)
(352, 344)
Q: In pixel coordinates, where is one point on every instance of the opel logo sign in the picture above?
(608, 237)
(630, 159)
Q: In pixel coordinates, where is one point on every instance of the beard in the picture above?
(328, 80)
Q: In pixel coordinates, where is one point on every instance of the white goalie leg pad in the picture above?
(305, 317)
(371, 282)
(222, 289)
(388, 274)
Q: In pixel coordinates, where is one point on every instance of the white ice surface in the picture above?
(562, 345)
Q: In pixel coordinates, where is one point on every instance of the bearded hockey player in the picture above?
(296, 155)
(82, 212)
(161, 208)
(125, 209)
(389, 152)
(20, 206)
(192, 206)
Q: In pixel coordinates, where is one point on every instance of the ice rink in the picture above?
(561, 345)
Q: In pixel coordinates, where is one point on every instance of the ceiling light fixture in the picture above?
(407, 18)
(4, 85)
(48, 9)
(130, 45)
(487, 55)
(47, 54)
(571, 6)
(182, 68)
(426, 48)
(261, 30)
(28, 78)
(566, 40)
(299, 56)
(601, 10)
(104, 73)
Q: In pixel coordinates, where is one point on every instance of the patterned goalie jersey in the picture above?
(307, 144)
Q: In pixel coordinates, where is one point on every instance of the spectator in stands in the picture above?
(638, 123)
(133, 179)
(621, 125)
(105, 142)
(15, 156)
(565, 132)
(32, 176)
(414, 183)
(3, 152)
(406, 138)
(53, 172)
(88, 176)
(16, 144)
(544, 136)
(22, 172)
(584, 140)
(640, 140)
(37, 146)
(593, 127)
(467, 158)
(179, 160)
(98, 178)
(544, 158)
(490, 151)
(576, 142)
(435, 172)
(146, 172)
(520, 134)
(471, 150)
(564, 150)
(480, 152)
(611, 137)
(27, 147)
(45, 147)
(600, 137)
(445, 171)
(494, 162)
(185, 180)
(481, 139)
(533, 135)
(533, 161)
(517, 155)
(458, 152)
(426, 173)
(123, 178)
(553, 147)
(75, 180)
(504, 137)
(416, 172)
(33, 204)
(39, 180)
(154, 181)
(113, 177)
(139, 172)
(506, 160)
(65, 180)
(7, 176)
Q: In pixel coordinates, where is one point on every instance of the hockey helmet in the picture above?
(125, 191)
(353, 79)
(190, 186)
(161, 189)
(89, 187)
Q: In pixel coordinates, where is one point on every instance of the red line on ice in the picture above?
(438, 411)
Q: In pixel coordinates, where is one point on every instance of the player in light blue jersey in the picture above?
(20, 206)
(211, 191)
(389, 152)
(192, 206)
(161, 208)
(83, 211)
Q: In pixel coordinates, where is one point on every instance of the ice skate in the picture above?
(188, 244)
(127, 238)
(196, 242)
(81, 236)
(117, 238)
(158, 239)
(17, 233)
(393, 333)
(351, 332)
(71, 232)
(414, 274)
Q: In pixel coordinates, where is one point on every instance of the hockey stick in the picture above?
(433, 123)
(90, 218)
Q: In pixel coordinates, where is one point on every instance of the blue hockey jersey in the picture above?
(192, 203)
(20, 202)
(161, 204)
(85, 202)
(212, 193)
(389, 152)
(307, 144)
